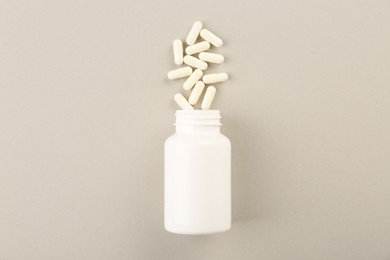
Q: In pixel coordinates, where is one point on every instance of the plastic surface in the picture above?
(197, 175)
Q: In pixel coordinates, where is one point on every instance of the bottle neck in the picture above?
(198, 121)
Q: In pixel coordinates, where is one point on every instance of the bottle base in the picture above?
(197, 232)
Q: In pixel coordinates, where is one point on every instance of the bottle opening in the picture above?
(198, 117)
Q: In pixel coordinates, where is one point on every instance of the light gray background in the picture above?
(85, 107)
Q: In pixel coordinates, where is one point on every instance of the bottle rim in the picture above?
(198, 117)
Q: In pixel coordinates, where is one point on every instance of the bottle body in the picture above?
(197, 192)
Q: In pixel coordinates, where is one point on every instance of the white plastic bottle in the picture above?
(197, 192)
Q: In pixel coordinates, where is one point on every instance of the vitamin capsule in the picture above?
(208, 97)
(179, 73)
(196, 92)
(178, 51)
(194, 32)
(190, 82)
(211, 57)
(199, 47)
(195, 62)
(182, 102)
(215, 77)
(211, 38)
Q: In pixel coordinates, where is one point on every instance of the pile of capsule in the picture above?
(194, 70)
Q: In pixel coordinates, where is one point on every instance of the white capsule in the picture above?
(190, 82)
(182, 102)
(178, 51)
(195, 62)
(199, 47)
(208, 97)
(194, 32)
(211, 38)
(196, 92)
(179, 73)
(215, 77)
(211, 57)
